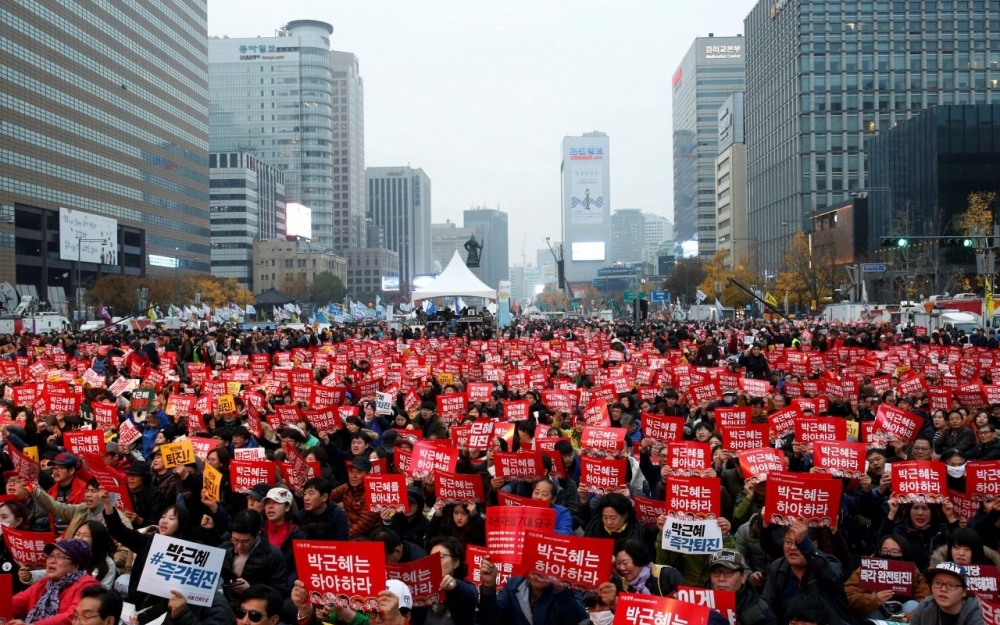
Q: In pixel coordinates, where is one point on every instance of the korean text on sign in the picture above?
(191, 568)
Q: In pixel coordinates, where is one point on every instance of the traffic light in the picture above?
(899, 242)
(965, 242)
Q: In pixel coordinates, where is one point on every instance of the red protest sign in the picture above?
(571, 560)
(688, 458)
(476, 554)
(422, 577)
(481, 435)
(809, 496)
(458, 488)
(386, 491)
(245, 474)
(603, 475)
(519, 466)
(694, 498)
(515, 410)
(452, 406)
(983, 581)
(346, 574)
(596, 414)
(26, 547)
(648, 510)
(603, 440)
(84, 441)
(982, 479)
(430, 456)
(734, 417)
(635, 609)
(105, 414)
(922, 481)
(808, 430)
(894, 424)
(722, 600)
(506, 528)
(663, 429)
(478, 391)
(323, 419)
(26, 468)
(879, 574)
(782, 422)
(840, 459)
(746, 438)
(757, 463)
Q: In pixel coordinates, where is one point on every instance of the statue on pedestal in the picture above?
(473, 249)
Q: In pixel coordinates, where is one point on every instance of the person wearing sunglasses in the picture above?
(950, 601)
(259, 605)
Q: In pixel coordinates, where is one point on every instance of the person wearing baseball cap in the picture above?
(280, 527)
(352, 496)
(728, 570)
(68, 487)
(56, 594)
(950, 602)
(395, 605)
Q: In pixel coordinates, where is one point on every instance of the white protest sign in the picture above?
(383, 403)
(694, 537)
(175, 564)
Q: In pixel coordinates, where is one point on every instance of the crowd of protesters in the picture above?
(780, 574)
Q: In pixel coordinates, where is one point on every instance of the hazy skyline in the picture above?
(480, 96)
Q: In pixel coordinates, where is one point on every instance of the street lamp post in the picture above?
(79, 260)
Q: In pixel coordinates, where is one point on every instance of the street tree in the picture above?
(327, 287)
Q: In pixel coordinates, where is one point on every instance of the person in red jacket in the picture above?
(52, 600)
(69, 487)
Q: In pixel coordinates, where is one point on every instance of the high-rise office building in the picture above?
(731, 184)
(657, 229)
(586, 204)
(628, 230)
(711, 71)
(399, 202)
(97, 118)
(247, 204)
(490, 226)
(823, 77)
(446, 239)
(299, 107)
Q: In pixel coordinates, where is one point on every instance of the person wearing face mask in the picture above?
(879, 605)
(924, 527)
(955, 465)
(965, 547)
(950, 602)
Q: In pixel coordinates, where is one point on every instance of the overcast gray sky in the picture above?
(480, 94)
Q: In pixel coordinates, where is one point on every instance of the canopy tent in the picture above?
(455, 281)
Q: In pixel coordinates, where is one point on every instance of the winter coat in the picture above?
(921, 541)
(334, 515)
(751, 549)
(148, 504)
(361, 521)
(751, 609)
(941, 555)
(264, 565)
(823, 580)
(68, 598)
(507, 607)
(863, 602)
(75, 516)
(927, 613)
(663, 581)
(963, 440)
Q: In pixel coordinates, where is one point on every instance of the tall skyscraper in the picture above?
(399, 202)
(100, 119)
(711, 71)
(824, 77)
(490, 226)
(586, 204)
(731, 183)
(298, 106)
(247, 204)
(628, 229)
(658, 229)
(446, 239)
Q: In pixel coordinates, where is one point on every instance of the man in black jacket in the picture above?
(988, 447)
(728, 570)
(316, 508)
(251, 559)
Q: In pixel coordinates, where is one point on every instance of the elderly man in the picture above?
(728, 570)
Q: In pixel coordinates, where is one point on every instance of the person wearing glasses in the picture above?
(52, 600)
(259, 605)
(252, 560)
(950, 602)
(988, 447)
(729, 571)
(885, 603)
(98, 606)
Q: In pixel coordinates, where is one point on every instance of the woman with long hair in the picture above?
(459, 521)
(924, 526)
(886, 604)
(965, 547)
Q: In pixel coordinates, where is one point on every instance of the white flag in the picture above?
(700, 296)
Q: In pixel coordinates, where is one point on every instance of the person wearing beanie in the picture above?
(52, 600)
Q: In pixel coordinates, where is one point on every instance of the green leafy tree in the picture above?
(326, 288)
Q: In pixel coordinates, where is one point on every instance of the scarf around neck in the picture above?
(48, 603)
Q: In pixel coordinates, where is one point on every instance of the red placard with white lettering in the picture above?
(458, 488)
(919, 481)
(732, 417)
(808, 430)
(430, 456)
(702, 393)
(722, 600)
(344, 573)
(422, 577)
(475, 556)
(595, 414)
(506, 527)
(603, 475)
(515, 410)
(983, 581)
(245, 474)
(757, 463)
(746, 438)
(26, 468)
(519, 466)
(84, 441)
(688, 458)
(510, 499)
(481, 435)
(324, 419)
(982, 479)
(814, 497)
(105, 414)
(840, 458)
(386, 491)
(26, 547)
(966, 507)
(635, 609)
(893, 424)
(879, 574)
(694, 498)
(598, 441)
(663, 429)
(478, 391)
(782, 422)
(648, 510)
(580, 563)
(452, 406)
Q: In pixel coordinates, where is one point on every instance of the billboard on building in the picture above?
(586, 201)
(298, 220)
(587, 250)
(87, 237)
(390, 283)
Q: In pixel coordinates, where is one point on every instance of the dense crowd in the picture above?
(148, 389)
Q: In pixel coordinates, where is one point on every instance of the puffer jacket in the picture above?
(25, 600)
(863, 602)
(927, 613)
(941, 555)
(76, 515)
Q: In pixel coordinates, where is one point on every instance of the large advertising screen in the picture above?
(592, 250)
(298, 220)
(87, 237)
(586, 201)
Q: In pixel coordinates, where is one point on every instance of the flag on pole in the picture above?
(770, 301)
(251, 310)
(152, 314)
(990, 306)
(718, 310)
(103, 313)
(700, 296)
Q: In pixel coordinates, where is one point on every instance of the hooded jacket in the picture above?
(927, 613)
(353, 499)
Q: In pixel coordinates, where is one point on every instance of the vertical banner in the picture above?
(503, 304)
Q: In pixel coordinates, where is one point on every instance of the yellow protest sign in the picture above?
(212, 483)
(854, 430)
(233, 388)
(177, 454)
(225, 404)
(445, 379)
(31, 452)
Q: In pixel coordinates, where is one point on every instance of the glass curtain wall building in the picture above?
(825, 76)
(104, 109)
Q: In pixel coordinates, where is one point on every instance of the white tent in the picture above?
(456, 280)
